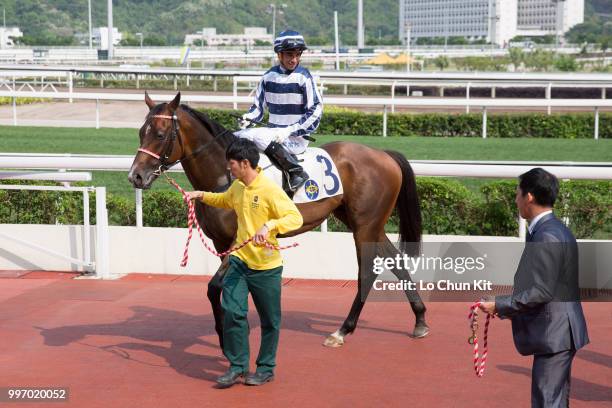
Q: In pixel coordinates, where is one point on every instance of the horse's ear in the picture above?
(149, 101)
(175, 102)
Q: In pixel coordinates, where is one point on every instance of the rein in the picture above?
(473, 339)
(192, 219)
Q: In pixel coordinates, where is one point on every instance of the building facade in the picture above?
(548, 17)
(8, 36)
(248, 38)
(496, 21)
(100, 37)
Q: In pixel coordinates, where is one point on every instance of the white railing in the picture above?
(438, 168)
(380, 102)
(101, 265)
(570, 79)
(439, 80)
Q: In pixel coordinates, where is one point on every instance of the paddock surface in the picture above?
(149, 341)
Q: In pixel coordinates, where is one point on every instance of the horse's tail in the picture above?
(408, 208)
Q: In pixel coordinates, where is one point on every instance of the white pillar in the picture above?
(102, 239)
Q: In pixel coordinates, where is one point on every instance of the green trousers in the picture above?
(265, 288)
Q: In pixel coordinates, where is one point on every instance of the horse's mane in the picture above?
(221, 135)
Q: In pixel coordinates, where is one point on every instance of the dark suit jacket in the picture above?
(544, 306)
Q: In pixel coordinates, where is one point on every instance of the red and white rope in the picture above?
(192, 219)
(479, 362)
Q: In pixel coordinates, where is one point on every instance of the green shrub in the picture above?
(338, 121)
(447, 206)
(164, 209)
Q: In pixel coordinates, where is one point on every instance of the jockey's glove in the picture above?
(281, 134)
(244, 122)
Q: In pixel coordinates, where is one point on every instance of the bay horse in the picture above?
(375, 182)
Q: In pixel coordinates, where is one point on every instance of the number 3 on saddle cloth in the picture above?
(324, 178)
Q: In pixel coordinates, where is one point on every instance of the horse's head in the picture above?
(160, 143)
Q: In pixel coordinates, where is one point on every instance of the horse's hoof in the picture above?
(420, 331)
(334, 340)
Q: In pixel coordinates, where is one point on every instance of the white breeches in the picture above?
(262, 137)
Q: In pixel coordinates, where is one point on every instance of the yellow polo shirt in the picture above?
(261, 202)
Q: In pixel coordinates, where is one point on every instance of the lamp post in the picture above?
(272, 7)
(558, 4)
(408, 27)
(89, 15)
(110, 29)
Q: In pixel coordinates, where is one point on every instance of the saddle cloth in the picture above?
(324, 178)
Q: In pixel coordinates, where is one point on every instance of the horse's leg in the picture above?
(388, 250)
(215, 287)
(365, 281)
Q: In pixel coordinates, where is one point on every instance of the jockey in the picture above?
(295, 107)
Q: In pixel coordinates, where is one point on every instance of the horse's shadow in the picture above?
(580, 389)
(149, 325)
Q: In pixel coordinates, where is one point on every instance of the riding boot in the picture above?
(288, 164)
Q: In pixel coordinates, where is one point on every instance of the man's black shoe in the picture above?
(259, 378)
(229, 378)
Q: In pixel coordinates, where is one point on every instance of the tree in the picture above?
(566, 63)
(441, 62)
(604, 45)
(516, 56)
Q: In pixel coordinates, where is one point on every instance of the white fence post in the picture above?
(393, 96)
(138, 193)
(484, 122)
(385, 121)
(549, 96)
(467, 97)
(14, 111)
(235, 92)
(324, 226)
(102, 240)
(70, 85)
(522, 228)
(596, 127)
(86, 228)
(97, 113)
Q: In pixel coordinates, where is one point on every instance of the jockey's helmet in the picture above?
(289, 40)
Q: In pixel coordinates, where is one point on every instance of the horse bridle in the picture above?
(163, 158)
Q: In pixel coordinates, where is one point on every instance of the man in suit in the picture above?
(545, 309)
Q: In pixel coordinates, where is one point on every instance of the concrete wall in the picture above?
(320, 255)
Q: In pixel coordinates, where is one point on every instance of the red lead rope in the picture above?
(473, 318)
(191, 220)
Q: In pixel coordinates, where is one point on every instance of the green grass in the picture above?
(125, 142)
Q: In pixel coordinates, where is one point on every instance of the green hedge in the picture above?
(344, 122)
(448, 207)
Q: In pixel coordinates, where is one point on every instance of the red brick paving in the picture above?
(145, 342)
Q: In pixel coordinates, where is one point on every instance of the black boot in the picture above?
(288, 164)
